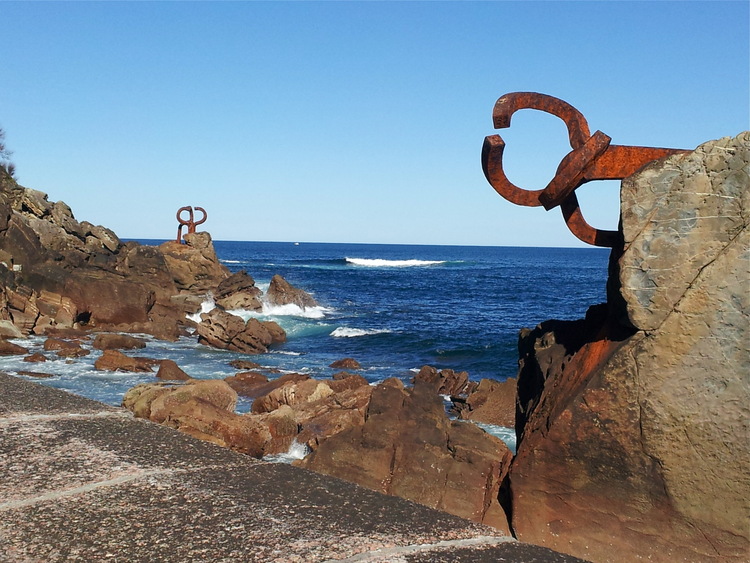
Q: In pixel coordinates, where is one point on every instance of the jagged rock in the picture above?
(308, 390)
(226, 331)
(281, 292)
(205, 409)
(490, 402)
(445, 382)
(633, 441)
(244, 364)
(170, 371)
(114, 341)
(238, 291)
(9, 330)
(246, 383)
(194, 266)
(114, 360)
(11, 349)
(346, 363)
(407, 447)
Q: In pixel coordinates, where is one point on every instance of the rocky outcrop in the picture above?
(281, 292)
(445, 382)
(230, 332)
(238, 291)
(114, 360)
(57, 272)
(632, 423)
(111, 341)
(346, 363)
(490, 402)
(205, 410)
(409, 448)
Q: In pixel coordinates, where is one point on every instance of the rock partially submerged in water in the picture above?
(230, 332)
(281, 292)
(238, 291)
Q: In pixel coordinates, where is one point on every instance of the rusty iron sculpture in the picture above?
(592, 158)
(190, 222)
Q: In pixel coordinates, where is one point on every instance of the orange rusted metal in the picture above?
(592, 158)
(190, 222)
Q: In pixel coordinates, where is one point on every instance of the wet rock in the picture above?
(226, 331)
(238, 291)
(490, 402)
(308, 390)
(114, 360)
(244, 364)
(346, 363)
(246, 383)
(113, 341)
(36, 357)
(281, 292)
(170, 371)
(194, 266)
(37, 374)
(10, 349)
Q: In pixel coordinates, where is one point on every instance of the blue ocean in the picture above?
(393, 308)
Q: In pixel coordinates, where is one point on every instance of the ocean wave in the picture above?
(346, 332)
(383, 263)
(207, 306)
(231, 261)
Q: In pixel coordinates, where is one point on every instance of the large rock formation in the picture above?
(60, 273)
(409, 448)
(633, 423)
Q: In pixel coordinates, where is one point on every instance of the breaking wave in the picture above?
(382, 263)
(346, 332)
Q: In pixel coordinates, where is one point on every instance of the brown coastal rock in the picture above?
(238, 291)
(407, 447)
(114, 341)
(445, 382)
(10, 349)
(114, 360)
(170, 371)
(226, 331)
(194, 266)
(633, 442)
(246, 383)
(281, 292)
(35, 358)
(346, 363)
(490, 402)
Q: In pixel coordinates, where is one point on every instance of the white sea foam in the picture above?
(289, 310)
(208, 305)
(296, 451)
(231, 261)
(381, 263)
(346, 332)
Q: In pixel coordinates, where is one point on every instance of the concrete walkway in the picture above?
(82, 481)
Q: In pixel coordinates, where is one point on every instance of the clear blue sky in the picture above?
(350, 121)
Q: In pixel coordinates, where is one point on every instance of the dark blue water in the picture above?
(446, 306)
(393, 308)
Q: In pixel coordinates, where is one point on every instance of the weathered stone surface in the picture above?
(114, 360)
(238, 291)
(490, 402)
(445, 382)
(114, 341)
(224, 330)
(281, 292)
(194, 266)
(636, 446)
(408, 447)
(308, 390)
(205, 409)
(246, 383)
(170, 371)
(35, 358)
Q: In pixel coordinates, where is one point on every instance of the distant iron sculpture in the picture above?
(190, 222)
(592, 158)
